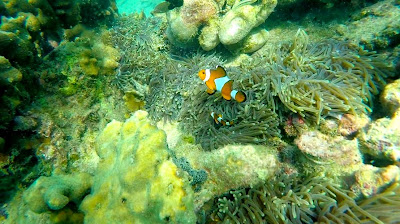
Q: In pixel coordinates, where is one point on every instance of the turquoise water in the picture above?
(132, 6)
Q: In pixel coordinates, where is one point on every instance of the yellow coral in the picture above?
(135, 182)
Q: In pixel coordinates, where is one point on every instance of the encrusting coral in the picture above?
(56, 191)
(371, 180)
(390, 97)
(135, 181)
(381, 139)
(337, 155)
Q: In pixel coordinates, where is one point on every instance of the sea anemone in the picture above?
(316, 79)
(290, 199)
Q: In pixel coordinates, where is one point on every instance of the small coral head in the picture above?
(198, 11)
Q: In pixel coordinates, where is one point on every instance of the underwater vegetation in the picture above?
(288, 199)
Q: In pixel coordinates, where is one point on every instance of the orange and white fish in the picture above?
(219, 120)
(217, 80)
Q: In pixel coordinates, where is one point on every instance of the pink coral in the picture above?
(350, 124)
(325, 148)
(198, 11)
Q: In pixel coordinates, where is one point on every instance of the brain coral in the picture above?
(135, 181)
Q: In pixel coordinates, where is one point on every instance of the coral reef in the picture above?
(374, 27)
(208, 23)
(56, 191)
(313, 80)
(319, 92)
(338, 155)
(235, 166)
(371, 180)
(229, 167)
(134, 180)
(28, 28)
(12, 92)
(30, 31)
(390, 97)
(381, 139)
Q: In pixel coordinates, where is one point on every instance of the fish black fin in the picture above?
(220, 67)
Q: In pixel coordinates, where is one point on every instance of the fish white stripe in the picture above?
(233, 94)
(220, 82)
(208, 75)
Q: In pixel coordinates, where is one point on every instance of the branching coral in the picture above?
(290, 200)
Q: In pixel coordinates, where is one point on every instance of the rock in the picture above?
(390, 97)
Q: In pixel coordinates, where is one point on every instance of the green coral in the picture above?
(55, 192)
(86, 52)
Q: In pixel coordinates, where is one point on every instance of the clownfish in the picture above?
(219, 120)
(217, 80)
